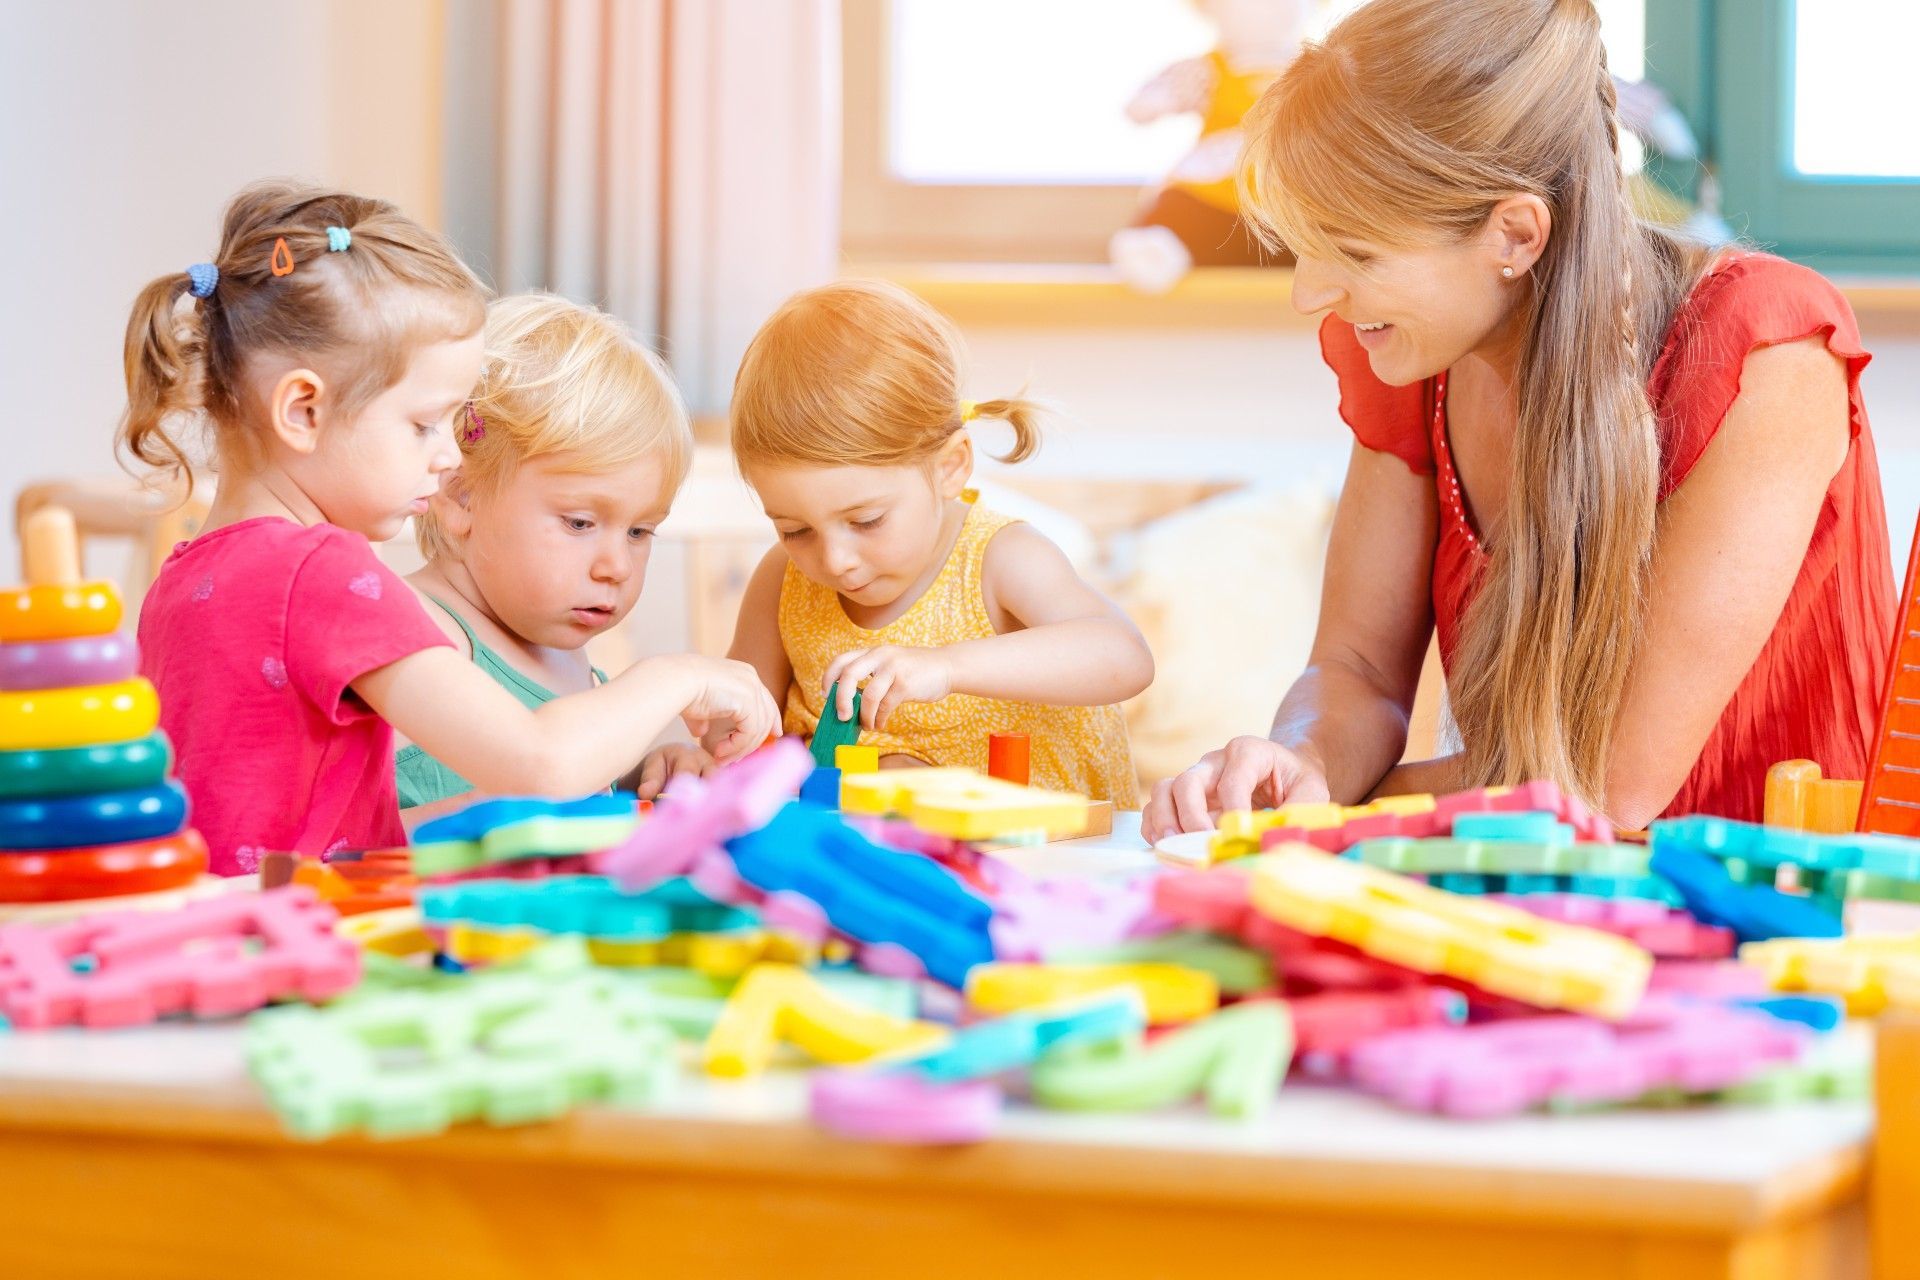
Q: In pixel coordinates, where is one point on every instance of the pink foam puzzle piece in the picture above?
(699, 815)
(1662, 930)
(1530, 797)
(1706, 979)
(1499, 1068)
(211, 958)
(900, 1106)
(1032, 914)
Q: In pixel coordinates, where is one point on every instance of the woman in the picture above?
(1633, 486)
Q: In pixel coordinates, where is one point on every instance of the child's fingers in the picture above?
(653, 776)
(874, 697)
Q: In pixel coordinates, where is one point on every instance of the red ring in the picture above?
(103, 871)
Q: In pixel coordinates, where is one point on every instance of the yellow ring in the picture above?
(58, 612)
(44, 719)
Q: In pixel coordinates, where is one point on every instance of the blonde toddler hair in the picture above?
(563, 378)
(860, 373)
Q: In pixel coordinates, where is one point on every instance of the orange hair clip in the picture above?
(282, 264)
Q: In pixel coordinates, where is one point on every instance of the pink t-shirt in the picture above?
(252, 634)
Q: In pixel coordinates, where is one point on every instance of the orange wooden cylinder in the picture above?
(1010, 757)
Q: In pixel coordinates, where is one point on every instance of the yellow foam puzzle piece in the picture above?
(1238, 831)
(779, 1003)
(963, 805)
(1501, 949)
(1170, 992)
(1871, 973)
(396, 931)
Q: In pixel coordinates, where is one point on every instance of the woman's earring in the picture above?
(1506, 273)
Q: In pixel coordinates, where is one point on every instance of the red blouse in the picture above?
(1813, 693)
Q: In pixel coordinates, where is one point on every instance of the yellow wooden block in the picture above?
(1798, 797)
(1170, 992)
(1502, 949)
(777, 1003)
(1871, 973)
(963, 805)
(848, 758)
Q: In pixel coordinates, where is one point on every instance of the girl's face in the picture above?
(373, 473)
(559, 554)
(869, 533)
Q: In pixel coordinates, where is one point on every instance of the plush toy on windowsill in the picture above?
(1193, 218)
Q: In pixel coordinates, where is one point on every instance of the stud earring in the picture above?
(1506, 273)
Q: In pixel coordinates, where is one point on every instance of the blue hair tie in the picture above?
(339, 239)
(201, 277)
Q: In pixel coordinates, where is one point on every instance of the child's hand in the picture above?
(669, 762)
(886, 677)
(727, 707)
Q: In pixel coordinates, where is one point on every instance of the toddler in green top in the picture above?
(571, 452)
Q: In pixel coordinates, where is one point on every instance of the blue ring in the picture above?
(107, 817)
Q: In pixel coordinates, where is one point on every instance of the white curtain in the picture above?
(674, 161)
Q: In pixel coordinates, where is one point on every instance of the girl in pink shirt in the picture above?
(329, 348)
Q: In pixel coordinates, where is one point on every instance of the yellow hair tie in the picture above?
(969, 411)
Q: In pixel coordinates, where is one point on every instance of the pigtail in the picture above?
(1023, 416)
(165, 362)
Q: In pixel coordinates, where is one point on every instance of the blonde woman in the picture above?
(956, 622)
(1631, 485)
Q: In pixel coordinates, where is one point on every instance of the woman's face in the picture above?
(1416, 311)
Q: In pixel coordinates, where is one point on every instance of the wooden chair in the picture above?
(152, 519)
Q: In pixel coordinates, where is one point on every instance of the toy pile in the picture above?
(87, 809)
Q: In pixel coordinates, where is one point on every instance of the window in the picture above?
(1803, 114)
(996, 130)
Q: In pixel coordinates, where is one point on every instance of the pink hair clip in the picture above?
(478, 427)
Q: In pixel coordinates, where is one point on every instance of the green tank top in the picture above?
(422, 778)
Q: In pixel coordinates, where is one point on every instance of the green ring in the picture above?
(109, 766)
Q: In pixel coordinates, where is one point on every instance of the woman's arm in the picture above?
(1064, 644)
(572, 745)
(1731, 542)
(1343, 724)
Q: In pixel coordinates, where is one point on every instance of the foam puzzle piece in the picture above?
(698, 815)
(816, 864)
(53, 719)
(1016, 1040)
(510, 1048)
(1500, 949)
(503, 829)
(590, 905)
(1507, 855)
(1239, 970)
(1501, 1068)
(1832, 1067)
(777, 1004)
(1236, 1058)
(1034, 913)
(885, 1106)
(79, 821)
(1746, 844)
(104, 871)
(106, 766)
(832, 732)
(1816, 1013)
(68, 663)
(963, 805)
(1871, 973)
(1753, 912)
(1532, 828)
(1799, 798)
(1328, 1026)
(1706, 979)
(1170, 993)
(1664, 932)
(209, 958)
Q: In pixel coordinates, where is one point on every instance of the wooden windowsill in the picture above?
(1090, 295)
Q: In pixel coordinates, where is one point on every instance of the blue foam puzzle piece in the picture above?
(476, 820)
(102, 817)
(1822, 1013)
(1531, 827)
(822, 787)
(1753, 912)
(1017, 1039)
(588, 905)
(869, 892)
(1763, 846)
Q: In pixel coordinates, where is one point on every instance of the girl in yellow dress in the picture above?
(953, 621)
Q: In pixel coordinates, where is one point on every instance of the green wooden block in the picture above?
(832, 733)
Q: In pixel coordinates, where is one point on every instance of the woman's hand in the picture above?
(886, 677)
(665, 763)
(1248, 773)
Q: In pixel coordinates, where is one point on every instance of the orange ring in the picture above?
(103, 871)
(59, 612)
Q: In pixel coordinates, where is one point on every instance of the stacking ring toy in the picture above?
(62, 664)
(78, 717)
(109, 817)
(111, 766)
(59, 612)
(104, 871)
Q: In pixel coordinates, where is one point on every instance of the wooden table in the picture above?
(150, 1153)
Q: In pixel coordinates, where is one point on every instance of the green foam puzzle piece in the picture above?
(1239, 970)
(544, 837)
(832, 732)
(1502, 857)
(1237, 1058)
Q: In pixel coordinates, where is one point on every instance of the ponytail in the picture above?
(1023, 416)
(165, 368)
